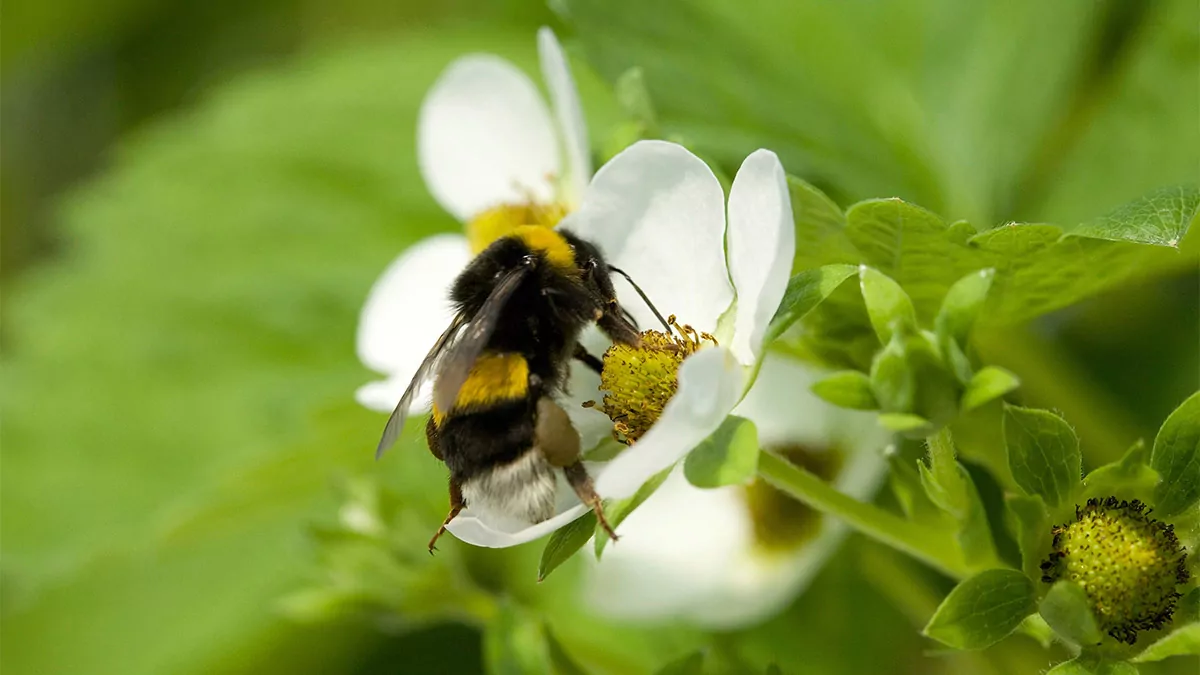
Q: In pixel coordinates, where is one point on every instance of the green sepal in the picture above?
(847, 389)
(983, 610)
(1176, 458)
(987, 385)
(1067, 609)
(1043, 454)
(888, 306)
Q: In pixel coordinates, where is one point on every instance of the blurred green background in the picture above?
(196, 198)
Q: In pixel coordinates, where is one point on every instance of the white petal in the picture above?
(485, 137)
(405, 312)
(675, 549)
(657, 212)
(785, 410)
(479, 530)
(762, 244)
(564, 97)
(710, 383)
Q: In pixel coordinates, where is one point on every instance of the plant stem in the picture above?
(931, 547)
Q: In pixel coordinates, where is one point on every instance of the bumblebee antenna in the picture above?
(645, 299)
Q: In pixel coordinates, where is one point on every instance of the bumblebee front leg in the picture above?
(581, 482)
(587, 359)
(456, 505)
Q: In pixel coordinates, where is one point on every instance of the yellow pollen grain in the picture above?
(503, 220)
(639, 381)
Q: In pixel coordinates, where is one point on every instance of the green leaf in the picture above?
(692, 664)
(514, 643)
(1035, 627)
(989, 384)
(1160, 217)
(1029, 521)
(618, 511)
(1068, 611)
(983, 610)
(1088, 664)
(729, 456)
(1127, 478)
(903, 423)
(1182, 641)
(948, 485)
(962, 305)
(888, 305)
(891, 379)
(848, 389)
(820, 228)
(805, 291)
(1176, 458)
(1043, 453)
(565, 541)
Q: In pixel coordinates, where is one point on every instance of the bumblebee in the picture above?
(521, 305)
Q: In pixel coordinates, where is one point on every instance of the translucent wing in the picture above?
(459, 361)
(427, 368)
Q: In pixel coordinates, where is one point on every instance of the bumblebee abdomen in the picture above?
(495, 379)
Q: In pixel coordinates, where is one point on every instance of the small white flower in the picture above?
(658, 212)
(491, 155)
(695, 554)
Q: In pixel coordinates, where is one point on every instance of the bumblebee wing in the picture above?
(396, 422)
(459, 361)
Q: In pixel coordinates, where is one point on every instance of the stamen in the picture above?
(781, 522)
(640, 380)
(502, 220)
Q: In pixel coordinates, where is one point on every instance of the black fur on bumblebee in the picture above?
(521, 305)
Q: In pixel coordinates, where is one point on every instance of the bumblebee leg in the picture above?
(456, 505)
(431, 436)
(581, 482)
(587, 359)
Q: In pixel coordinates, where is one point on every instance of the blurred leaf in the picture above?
(1128, 478)
(692, 664)
(989, 384)
(1043, 453)
(848, 389)
(560, 661)
(1067, 609)
(729, 456)
(1088, 664)
(1035, 627)
(805, 291)
(1182, 641)
(1030, 523)
(565, 541)
(904, 423)
(888, 305)
(983, 610)
(1176, 458)
(514, 643)
(618, 511)
(183, 380)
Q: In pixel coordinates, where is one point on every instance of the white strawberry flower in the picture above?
(493, 156)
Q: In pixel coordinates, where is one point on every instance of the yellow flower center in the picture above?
(504, 219)
(781, 522)
(1127, 563)
(639, 381)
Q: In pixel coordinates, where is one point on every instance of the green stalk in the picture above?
(931, 547)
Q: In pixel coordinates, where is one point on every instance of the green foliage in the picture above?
(983, 610)
(888, 306)
(1067, 609)
(729, 456)
(1182, 641)
(848, 389)
(1127, 478)
(1089, 664)
(692, 664)
(1043, 454)
(565, 542)
(804, 292)
(948, 485)
(1030, 523)
(987, 385)
(515, 643)
(1176, 458)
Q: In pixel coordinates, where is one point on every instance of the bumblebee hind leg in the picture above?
(581, 482)
(456, 506)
